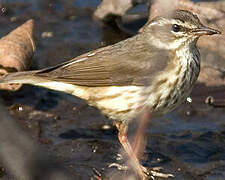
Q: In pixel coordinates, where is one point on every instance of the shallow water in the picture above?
(188, 142)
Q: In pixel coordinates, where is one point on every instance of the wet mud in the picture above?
(188, 142)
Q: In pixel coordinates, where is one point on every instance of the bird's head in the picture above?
(176, 28)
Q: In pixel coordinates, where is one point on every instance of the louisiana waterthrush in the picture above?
(156, 68)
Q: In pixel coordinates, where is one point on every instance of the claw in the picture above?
(119, 157)
(159, 174)
(154, 172)
(97, 174)
(119, 167)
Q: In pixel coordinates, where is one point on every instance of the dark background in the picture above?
(188, 142)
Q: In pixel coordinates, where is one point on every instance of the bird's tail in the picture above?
(34, 78)
(26, 77)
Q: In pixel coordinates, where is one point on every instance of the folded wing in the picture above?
(134, 64)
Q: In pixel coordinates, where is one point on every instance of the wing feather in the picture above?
(134, 62)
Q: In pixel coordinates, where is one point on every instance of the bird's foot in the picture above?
(155, 172)
(148, 173)
(119, 166)
(119, 157)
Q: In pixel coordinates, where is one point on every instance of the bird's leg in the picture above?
(138, 147)
(140, 140)
(122, 135)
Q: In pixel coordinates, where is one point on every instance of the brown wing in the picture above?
(130, 63)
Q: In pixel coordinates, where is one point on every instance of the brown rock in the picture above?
(112, 7)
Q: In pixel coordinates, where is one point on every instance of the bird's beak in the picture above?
(204, 31)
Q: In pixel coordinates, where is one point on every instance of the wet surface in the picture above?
(188, 142)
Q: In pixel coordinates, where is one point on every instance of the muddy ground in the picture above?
(188, 142)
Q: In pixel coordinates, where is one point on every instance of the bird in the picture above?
(156, 68)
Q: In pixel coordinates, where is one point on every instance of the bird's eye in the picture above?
(176, 28)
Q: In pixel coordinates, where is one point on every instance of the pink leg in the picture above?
(122, 128)
(140, 140)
